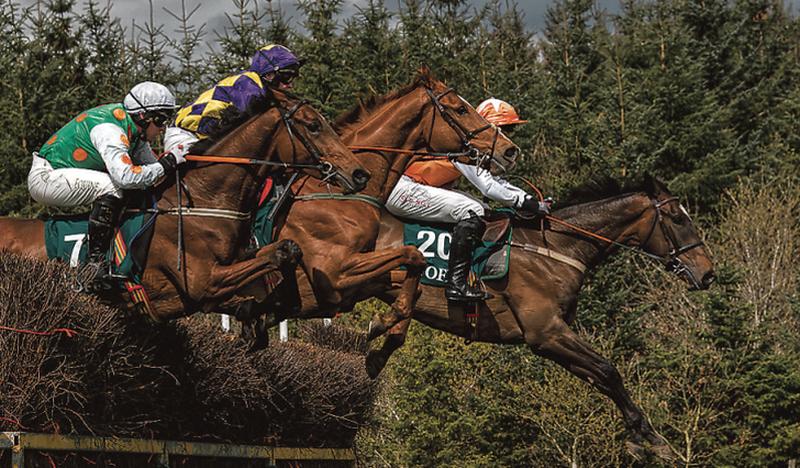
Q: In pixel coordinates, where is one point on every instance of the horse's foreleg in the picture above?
(395, 338)
(226, 280)
(561, 345)
(368, 266)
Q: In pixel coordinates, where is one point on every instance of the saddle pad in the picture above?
(263, 226)
(489, 260)
(66, 239)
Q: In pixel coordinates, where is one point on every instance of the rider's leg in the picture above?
(102, 222)
(466, 235)
(417, 201)
(69, 186)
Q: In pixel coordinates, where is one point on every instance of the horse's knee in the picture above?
(413, 257)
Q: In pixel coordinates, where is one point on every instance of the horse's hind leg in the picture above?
(561, 345)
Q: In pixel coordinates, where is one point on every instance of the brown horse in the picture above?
(537, 301)
(337, 235)
(213, 210)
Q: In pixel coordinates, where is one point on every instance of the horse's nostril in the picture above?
(511, 153)
(360, 177)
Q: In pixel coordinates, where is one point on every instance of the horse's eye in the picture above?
(462, 110)
(313, 126)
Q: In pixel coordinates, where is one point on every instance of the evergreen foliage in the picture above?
(704, 95)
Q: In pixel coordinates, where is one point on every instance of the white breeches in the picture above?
(67, 186)
(410, 199)
(174, 136)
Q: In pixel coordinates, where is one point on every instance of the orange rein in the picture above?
(564, 223)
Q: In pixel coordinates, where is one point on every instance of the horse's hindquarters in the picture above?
(23, 237)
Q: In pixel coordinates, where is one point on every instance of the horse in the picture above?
(537, 301)
(198, 258)
(337, 233)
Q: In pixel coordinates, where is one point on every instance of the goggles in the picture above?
(286, 75)
(160, 119)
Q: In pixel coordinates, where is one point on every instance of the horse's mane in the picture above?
(231, 118)
(364, 108)
(599, 188)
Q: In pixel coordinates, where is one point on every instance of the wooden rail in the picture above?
(19, 442)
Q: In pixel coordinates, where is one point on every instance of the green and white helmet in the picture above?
(149, 96)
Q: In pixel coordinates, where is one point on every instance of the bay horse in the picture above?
(537, 301)
(210, 217)
(337, 234)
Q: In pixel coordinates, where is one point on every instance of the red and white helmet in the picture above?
(498, 112)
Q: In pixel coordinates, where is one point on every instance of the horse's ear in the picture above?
(424, 74)
(654, 186)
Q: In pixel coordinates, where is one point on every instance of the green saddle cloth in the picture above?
(489, 259)
(66, 239)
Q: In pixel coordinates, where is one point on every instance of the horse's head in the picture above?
(674, 238)
(306, 137)
(454, 123)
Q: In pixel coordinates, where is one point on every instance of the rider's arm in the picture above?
(113, 146)
(494, 188)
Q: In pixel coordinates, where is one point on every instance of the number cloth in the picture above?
(489, 259)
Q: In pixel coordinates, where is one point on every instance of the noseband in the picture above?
(671, 260)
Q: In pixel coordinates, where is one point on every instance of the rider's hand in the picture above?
(532, 205)
(177, 155)
(180, 153)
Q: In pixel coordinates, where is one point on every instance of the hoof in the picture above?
(642, 451)
(663, 452)
(377, 327)
(374, 362)
(636, 450)
(292, 251)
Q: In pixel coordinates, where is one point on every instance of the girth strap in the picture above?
(339, 196)
(209, 213)
(551, 254)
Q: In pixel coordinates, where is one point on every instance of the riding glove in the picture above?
(531, 205)
(170, 161)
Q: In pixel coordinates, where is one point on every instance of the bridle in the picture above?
(326, 169)
(671, 260)
(466, 136)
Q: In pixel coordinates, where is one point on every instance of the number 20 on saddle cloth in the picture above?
(489, 259)
(66, 239)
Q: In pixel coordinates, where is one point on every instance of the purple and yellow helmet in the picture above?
(274, 57)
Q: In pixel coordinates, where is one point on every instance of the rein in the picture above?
(248, 161)
(425, 154)
(671, 260)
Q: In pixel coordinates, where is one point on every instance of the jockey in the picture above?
(421, 194)
(272, 66)
(99, 154)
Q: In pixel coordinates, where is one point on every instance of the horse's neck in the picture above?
(231, 186)
(395, 124)
(618, 219)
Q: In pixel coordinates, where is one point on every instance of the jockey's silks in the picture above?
(71, 146)
(436, 173)
(202, 116)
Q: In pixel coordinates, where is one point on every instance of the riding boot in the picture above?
(102, 221)
(466, 234)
